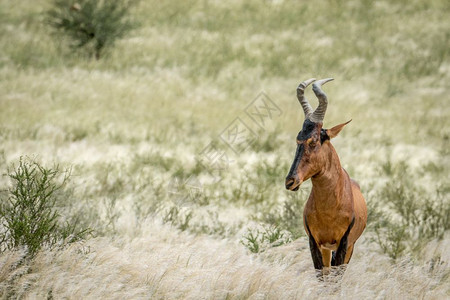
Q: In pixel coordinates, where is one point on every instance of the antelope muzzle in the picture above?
(293, 183)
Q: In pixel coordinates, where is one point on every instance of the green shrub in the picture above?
(93, 25)
(252, 241)
(411, 216)
(259, 240)
(28, 217)
(290, 217)
(178, 217)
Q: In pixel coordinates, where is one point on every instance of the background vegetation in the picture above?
(29, 216)
(134, 125)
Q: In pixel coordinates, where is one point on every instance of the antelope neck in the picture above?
(328, 185)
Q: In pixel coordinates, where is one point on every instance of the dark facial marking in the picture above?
(297, 159)
(304, 134)
(323, 136)
(307, 130)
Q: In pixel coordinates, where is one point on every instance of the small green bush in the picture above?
(28, 217)
(259, 240)
(93, 25)
(290, 217)
(178, 217)
(406, 216)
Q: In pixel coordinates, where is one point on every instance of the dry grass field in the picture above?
(179, 210)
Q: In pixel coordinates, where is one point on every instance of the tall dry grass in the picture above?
(159, 262)
(133, 125)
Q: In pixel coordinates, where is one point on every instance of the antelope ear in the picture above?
(333, 132)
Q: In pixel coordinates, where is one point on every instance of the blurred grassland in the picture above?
(201, 63)
(137, 119)
(177, 81)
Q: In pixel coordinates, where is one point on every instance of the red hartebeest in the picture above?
(335, 214)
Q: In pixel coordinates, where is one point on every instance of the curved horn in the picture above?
(318, 115)
(307, 109)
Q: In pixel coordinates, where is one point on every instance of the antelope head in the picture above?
(311, 156)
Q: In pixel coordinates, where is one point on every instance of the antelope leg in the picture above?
(314, 248)
(341, 252)
(348, 256)
(315, 254)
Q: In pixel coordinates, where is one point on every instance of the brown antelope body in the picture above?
(335, 214)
